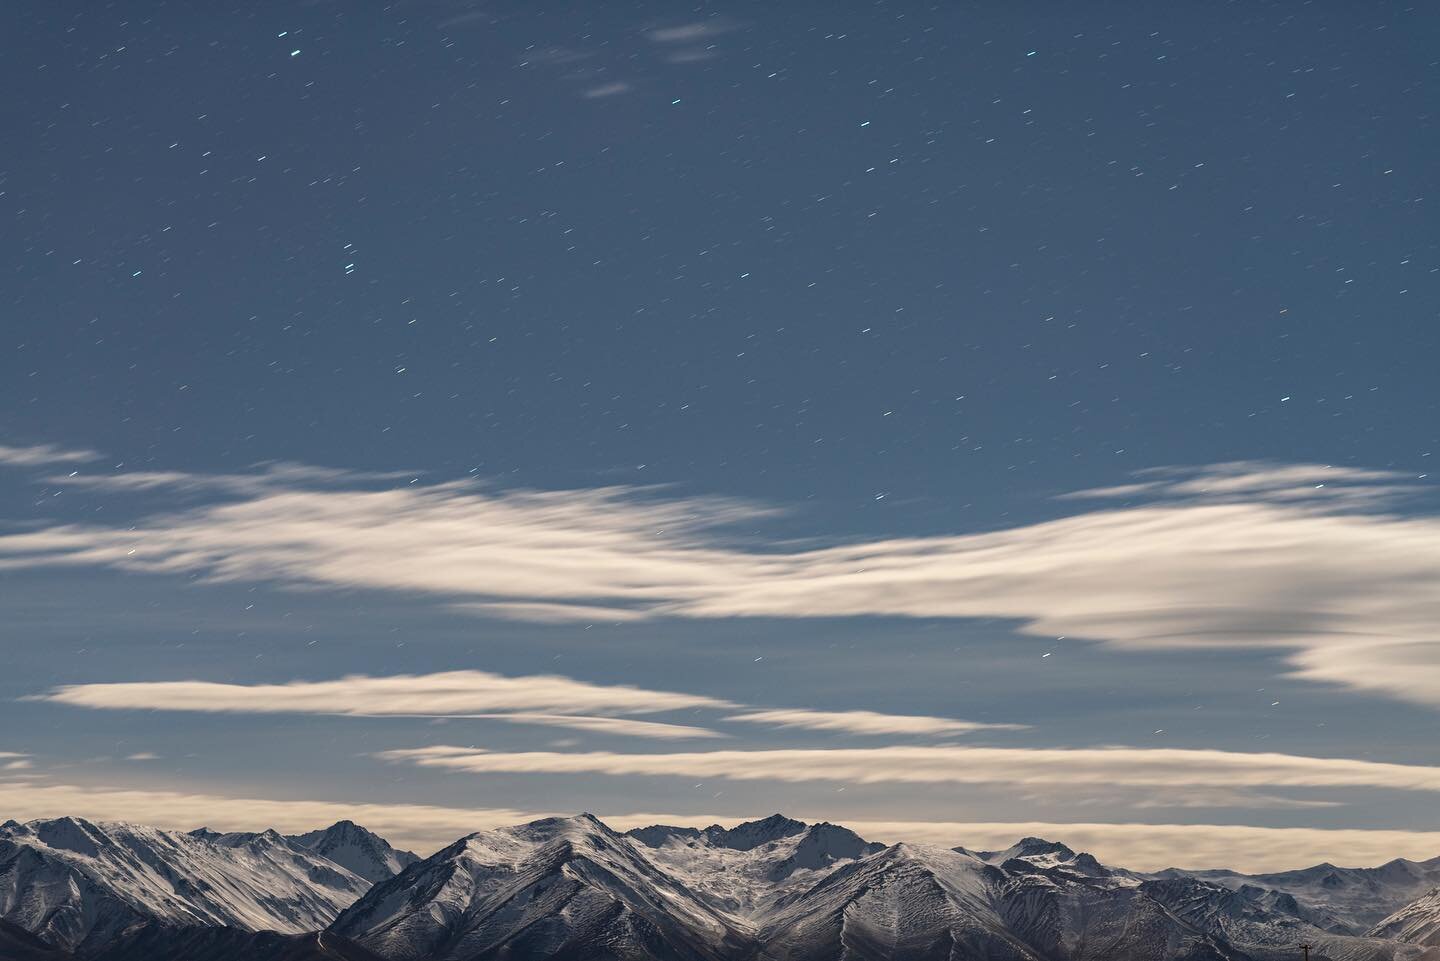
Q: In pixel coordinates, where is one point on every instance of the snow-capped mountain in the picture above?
(573, 888)
(80, 885)
(560, 887)
(360, 851)
(745, 869)
(1341, 900)
(1030, 853)
(1416, 923)
(907, 901)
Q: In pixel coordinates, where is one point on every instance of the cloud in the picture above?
(425, 828)
(868, 722)
(272, 476)
(612, 89)
(142, 756)
(1303, 559)
(626, 727)
(1286, 483)
(692, 32)
(447, 694)
(538, 612)
(42, 455)
(546, 700)
(20, 764)
(1152, 847)
(911, 764)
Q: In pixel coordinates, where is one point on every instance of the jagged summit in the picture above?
(742, 837)
(758, 891)
(752, 834)
(1029, 847)
(357, 849)
(78, 884)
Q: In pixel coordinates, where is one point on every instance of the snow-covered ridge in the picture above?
(76, 883)
(575, 888)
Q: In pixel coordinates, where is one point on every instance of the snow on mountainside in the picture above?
(1341, 900)
(76, 884)
(1031, 853)
(360, 851)
(1416, 923)
(566, 887)
(765, 890)
(744, 869)
(908, 901)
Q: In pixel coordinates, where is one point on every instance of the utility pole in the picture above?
(1306, 949)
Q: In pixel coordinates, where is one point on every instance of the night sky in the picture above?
(1055, 383)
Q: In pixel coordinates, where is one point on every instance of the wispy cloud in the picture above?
(544, 700)
(911, 764)
(44, 455)
(623, 726)
(1300, 558)
(539, 612)
(1151, 847)
(867, 722)
(143, 756)
(426, 828)
(421, 826)
(612, 89)
(692, 32)
(447, 694)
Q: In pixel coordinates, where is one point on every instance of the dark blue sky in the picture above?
(887, 270)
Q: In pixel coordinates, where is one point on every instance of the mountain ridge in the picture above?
(572, 887)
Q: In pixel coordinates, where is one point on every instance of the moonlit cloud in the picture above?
(544, 700)
(539, 612)
(425, 828)
(606, 90)
(867, 722)
(447, 694)
(1242, 556)
(44, 455)
(625, 727)
(1152, 847)
(910, 764)
(422, 827)
(692, 32)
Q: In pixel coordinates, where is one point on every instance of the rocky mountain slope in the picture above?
(572, 888)
(79, 885)
(357, 850)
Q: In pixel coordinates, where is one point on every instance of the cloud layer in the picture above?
(867, 722)
(921, 764)
(44, 455)
(426, 828)
(544, 700)
(1298, 558)
(447, 694)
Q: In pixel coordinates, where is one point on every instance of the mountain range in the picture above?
(573, 888)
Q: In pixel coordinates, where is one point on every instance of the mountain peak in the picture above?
(752, 834)
(357, 849)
